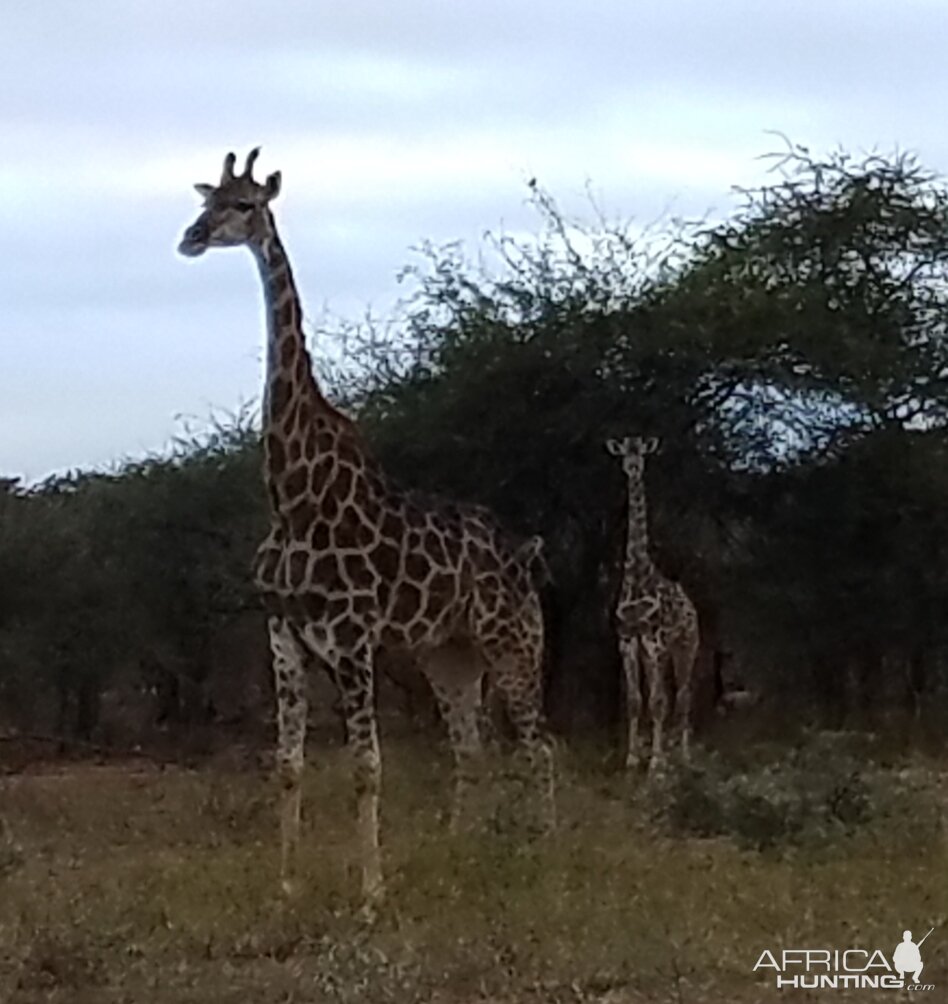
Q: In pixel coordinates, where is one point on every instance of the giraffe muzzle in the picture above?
(194, 241)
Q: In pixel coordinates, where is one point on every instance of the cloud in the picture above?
(391, 123)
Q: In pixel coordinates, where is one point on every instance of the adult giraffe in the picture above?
(352, 565)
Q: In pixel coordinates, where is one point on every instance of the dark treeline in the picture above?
(792, 360)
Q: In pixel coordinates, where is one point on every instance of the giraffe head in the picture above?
(633, 450)
(235, 212)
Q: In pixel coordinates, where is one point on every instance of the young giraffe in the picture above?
(655, 620)
(352, 565)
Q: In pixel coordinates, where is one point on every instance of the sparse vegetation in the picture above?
(140, 884)
(819, 793)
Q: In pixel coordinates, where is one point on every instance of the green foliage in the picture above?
(816, 795)
(125, 576)
(842, 569)
(830, 282)
(781, 356)
(792, 358)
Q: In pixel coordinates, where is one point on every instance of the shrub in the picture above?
(818, 794)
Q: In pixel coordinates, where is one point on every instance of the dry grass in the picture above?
(137, 885)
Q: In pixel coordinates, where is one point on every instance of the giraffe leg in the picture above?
(521, 694)
(455, 678)
(658, 704)
(354, 678)
(684, 663)
(631, 670)
(290, 687)
(486, 725)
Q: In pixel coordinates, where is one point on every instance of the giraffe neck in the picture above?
(639, 572)
(289, 370)
(293, 403)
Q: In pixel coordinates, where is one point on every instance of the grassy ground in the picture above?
(133, 884)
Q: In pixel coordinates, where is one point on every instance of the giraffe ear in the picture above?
(652, 444)
(272, 185)
(205, 191)
(534, 546)
(614, 447)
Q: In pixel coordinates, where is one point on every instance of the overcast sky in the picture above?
(391, 123)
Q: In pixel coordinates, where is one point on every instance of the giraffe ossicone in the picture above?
(656, 624)
(353, 565)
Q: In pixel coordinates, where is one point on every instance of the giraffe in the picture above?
(352, 565)
(656, 622)
(403, 670)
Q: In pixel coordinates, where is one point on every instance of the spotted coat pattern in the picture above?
(353, 566)
(656, 624)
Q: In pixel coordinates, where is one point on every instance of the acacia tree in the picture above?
(125, 579)
(769, 345)
(830, 286)
(791, 358)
